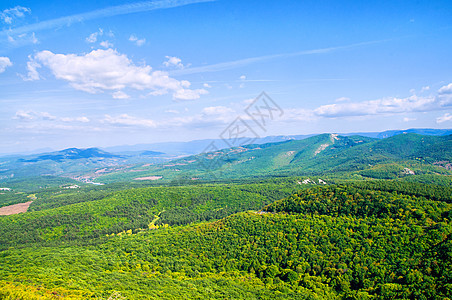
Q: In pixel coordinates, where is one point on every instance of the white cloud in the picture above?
(342, 99)
(106, 44)
(32, 115)
(32, 67)
(92, 38)
(374, 107)
(137, 41)
(4, 63)
(82, 119)
(406, 119)
(23, 115)
(77, 119)
(243, 77)
(172, 111)
(173, 61)
(126, 120)
(447, 89)
(425, 88)
(444, 118)
(107, 70)
(217, 110)
(206, 85)
(186, 94)
(8, 15)
(47, 116)
(120, 95)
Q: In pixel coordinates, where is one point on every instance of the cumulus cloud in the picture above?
(107, 70)
(444, 97)
(186, 94)
(447, 89)
(10, 14)
(444, 118)
(174, 62)
(137, 41)
(126, 120)
(4, 63)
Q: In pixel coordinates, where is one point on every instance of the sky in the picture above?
(105, 73)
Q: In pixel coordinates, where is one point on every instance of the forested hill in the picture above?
(331, 242)
(394, 157)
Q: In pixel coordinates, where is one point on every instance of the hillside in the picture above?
(400, 156)
(409, 156)
(80, 164)
(333, 242)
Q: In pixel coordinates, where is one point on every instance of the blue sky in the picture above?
(104, 73)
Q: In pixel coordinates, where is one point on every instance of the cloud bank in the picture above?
(413, 103)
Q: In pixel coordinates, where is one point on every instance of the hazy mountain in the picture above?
(400, 155)
(199, 146)
(71, 153)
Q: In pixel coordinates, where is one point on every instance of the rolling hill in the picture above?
(363, 241)
(397, 156)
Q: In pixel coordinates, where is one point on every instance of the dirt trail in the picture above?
(14, 209)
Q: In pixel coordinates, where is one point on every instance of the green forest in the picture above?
(265, 223)
(263, 240)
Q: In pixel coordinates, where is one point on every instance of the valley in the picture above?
(326, 217)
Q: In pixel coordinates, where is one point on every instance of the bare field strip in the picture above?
(14, 209)
(148, 178)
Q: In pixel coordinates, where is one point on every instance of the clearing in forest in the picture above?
(14, 209)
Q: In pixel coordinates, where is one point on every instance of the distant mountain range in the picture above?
(384, 155)
(71, 153)
(321, 155)
(198, 146)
